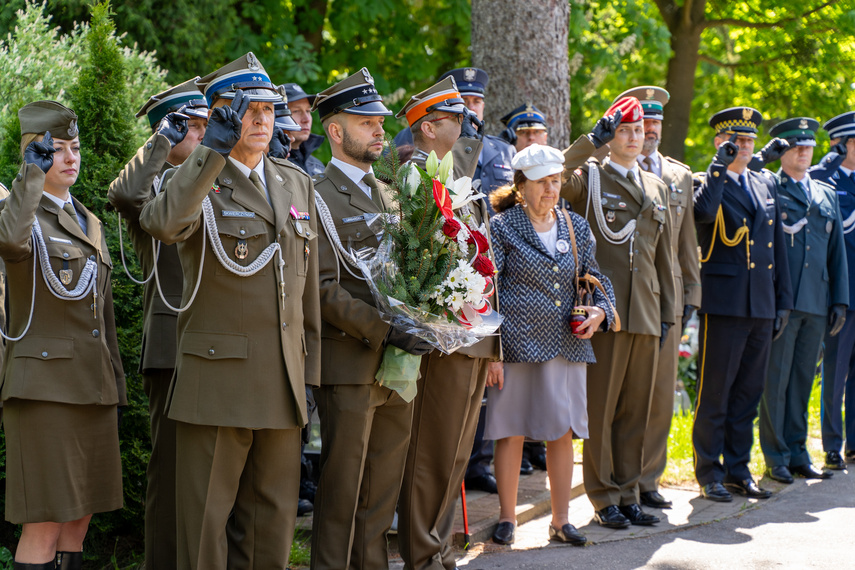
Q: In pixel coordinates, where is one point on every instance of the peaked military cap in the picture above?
(245, 73)
(355, 95)
(442, 96)
(294, 93)
(41, 116)
(525, 117)
(630, 108)
(470, 80)
(742, 121)
(800, 131)
(653, 100)
(841, 125)
(184, 95)
(283, 118)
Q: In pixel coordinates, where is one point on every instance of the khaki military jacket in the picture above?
(128, 195)
(684, 241)
(70, 353)
(243, 359)
(643, 284)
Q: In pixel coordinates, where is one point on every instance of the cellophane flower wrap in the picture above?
(431, 275)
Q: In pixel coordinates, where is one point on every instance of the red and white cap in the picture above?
(630, 108)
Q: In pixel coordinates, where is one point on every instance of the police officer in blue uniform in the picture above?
(525, 126)
(838, 375)
(817, 261)
(746, 297)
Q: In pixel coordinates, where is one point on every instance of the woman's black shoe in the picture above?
(567, 533)
(504, 533)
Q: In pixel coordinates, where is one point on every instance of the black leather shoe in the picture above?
(611, 517)
(747, 488)
(780, 473)
(567, 533)
(715, 491)
(636, 516)
(833, 460)
(655, 500)
(808, 471)
(485, 482)
(504, 533)
(304, 507)
(849, 456)
(525, 467)
(538, 460)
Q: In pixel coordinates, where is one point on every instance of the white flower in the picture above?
(461, 192)
(446, 167)
(431, 164)
(413, 180)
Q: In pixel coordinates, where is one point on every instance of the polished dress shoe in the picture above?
(538, 460)
(655, 500)
(748, 488)
(567, 533)
(485, 482)
(504, 533)
(833, 460)
(808, 471)
(526, 467)
(636, 516)
(611, 517)
(780, 473)
(715, 491)
(304, 507)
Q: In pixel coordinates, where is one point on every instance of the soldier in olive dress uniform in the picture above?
(178, 117)
(249, 339)
(63, 377)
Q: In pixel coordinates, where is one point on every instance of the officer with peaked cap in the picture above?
(451, 387)
(303, 142)
(245, 225)
(628, 213)
(178, 117)
(365, 427)
(63, 376)
(526, 125)
(746, 298)
(687, 282)
(284, 128)
(817, 268)
(838, 374)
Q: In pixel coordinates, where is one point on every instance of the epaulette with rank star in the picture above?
(678, 163)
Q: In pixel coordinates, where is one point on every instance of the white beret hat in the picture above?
(537, 161)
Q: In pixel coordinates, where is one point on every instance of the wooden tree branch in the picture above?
(736, 22)
(668, 10)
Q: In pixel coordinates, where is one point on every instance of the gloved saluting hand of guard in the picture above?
(224, 125)
(40, 153)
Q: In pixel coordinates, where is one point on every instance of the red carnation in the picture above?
(479, 239)
(451, 228)
(483, 265)
(442, 199)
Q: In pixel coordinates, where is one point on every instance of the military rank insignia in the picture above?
(65, 276)
(241, 250)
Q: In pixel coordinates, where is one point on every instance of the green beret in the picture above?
(42, 116)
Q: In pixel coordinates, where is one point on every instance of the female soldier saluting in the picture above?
(62, 378)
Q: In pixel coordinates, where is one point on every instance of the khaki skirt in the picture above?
(62, 461)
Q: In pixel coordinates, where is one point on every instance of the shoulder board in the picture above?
(678, 163)
(319, 177)
(498, 142)
(699, 176)
(824, 185)
(288, 164)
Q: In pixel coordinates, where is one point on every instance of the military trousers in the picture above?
(784, 405)
(252, 475)
(733, 359)
(365, 431)
(620, 386)
(160, 474)
(445, 414)
(838, 384)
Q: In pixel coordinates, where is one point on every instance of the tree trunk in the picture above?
(523, 46)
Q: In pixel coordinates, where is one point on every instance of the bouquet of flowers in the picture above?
(431, 274)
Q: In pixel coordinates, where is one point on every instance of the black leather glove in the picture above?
(774, 150)
(174, 126)
(472, 127)
(727, 151)
(40, 153)
(408, 342)
(688, 311)
(510, 136)
(836, 318)
(781, 319)
(280, 144)
(664, 335)
(604, 130)
(224, 125)
(840, 147)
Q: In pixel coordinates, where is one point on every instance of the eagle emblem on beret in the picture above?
(747, 113)
(469, 74)
(72, 128)
(252, 62)
(803, 124)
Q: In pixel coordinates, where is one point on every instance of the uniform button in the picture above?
(807, 247)
(211, 351)
(752, 265)
(358, 234)
(65, 254)
(635, 268)
(19, 177)
(343, 333)
(807, 230)
(148, 145)
(770, 222)
(468, 150)
(806, 264)
(808, 214)
(92, 306)
(284, 326)
(44, 354)
(366, 341)
(91, 258)
(751, 242)
(198, 162)
(557, 286)
(96, 333)
(555, 268)
(715, 174)
(769, 245)
(242, 232)
(770, 266)
(557, 303)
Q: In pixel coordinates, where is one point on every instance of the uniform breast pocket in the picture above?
(659, 219)
(243, 239)
(67, 260)
(305, 242)
(503, 172)
(828, 216)
(614, 211)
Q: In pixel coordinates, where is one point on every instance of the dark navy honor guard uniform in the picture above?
(817, 262)
(838, 374)
(744, 282)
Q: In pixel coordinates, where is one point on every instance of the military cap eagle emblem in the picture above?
(650, 93)
(469, 74)
(803, 124)
(72, 128)
(747, 114)
(252, 62)
(367, 76)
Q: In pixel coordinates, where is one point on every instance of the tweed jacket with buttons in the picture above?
(536, 289)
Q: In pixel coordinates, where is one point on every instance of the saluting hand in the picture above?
(841, 147)
(224, 125)
(280, 144)
(605, 129)
(727, 151)
(174, 126)
(774, 150)
(472, 127)
(40, 153)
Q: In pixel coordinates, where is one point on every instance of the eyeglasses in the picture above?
(456, 116)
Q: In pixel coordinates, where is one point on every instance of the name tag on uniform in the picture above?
(237, 214)
(613, 196)
(60, 240)
(352, 219)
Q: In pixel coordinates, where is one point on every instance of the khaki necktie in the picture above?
(69, 209)
(375, 192)
(647, 164)
(256, 181)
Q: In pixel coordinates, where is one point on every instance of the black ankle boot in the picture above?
(26, 566)
(69, 560)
